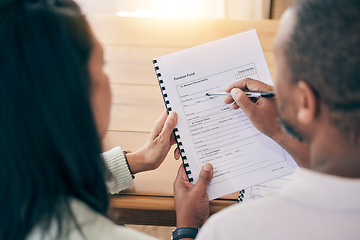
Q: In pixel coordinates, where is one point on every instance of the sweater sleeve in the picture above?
(117, 175)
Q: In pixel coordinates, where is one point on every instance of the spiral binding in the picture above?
(168, 108)
(241, 196)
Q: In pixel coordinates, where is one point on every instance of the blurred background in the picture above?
(218, 9)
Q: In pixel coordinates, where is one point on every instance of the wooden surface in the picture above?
(278, 7)
(130, 45)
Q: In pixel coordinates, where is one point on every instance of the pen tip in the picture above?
(207, 94)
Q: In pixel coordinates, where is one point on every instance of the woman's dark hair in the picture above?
(49, 146)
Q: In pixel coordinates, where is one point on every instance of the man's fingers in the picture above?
(228, 100)
(242, 84)
(235, 106)
(181, 176)
(205, 177)
(249, 84)
(242, 100)
(256, 85)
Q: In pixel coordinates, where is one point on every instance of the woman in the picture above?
(54, 110)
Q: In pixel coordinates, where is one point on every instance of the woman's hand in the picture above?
(153, 153)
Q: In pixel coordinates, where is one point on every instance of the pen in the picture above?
(249, 93)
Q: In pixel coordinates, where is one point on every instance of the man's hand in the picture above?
(262, 112)
(191, 201)
(153, 153)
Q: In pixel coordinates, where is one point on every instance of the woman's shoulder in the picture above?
(89, 225)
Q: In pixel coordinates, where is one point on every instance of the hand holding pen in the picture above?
(249, 93)
(262, 112)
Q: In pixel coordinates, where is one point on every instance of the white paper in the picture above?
(211, 131)
(267, 188)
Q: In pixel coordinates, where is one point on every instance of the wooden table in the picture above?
(130, 45)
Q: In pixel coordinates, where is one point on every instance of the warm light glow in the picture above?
(179, 9)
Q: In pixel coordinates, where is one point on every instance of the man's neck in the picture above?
(332, 155)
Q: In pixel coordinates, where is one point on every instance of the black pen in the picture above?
(249, 93)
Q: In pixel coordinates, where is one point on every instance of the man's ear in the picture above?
(307, 103)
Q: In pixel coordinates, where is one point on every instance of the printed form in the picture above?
(211, 131)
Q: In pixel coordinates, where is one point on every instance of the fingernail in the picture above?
(234, 91)
(207, 167)
(172, 115)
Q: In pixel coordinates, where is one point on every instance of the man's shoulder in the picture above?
(231, 222)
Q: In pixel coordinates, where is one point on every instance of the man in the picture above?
(317, 54)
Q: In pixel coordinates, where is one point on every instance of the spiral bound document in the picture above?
(208, 130)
